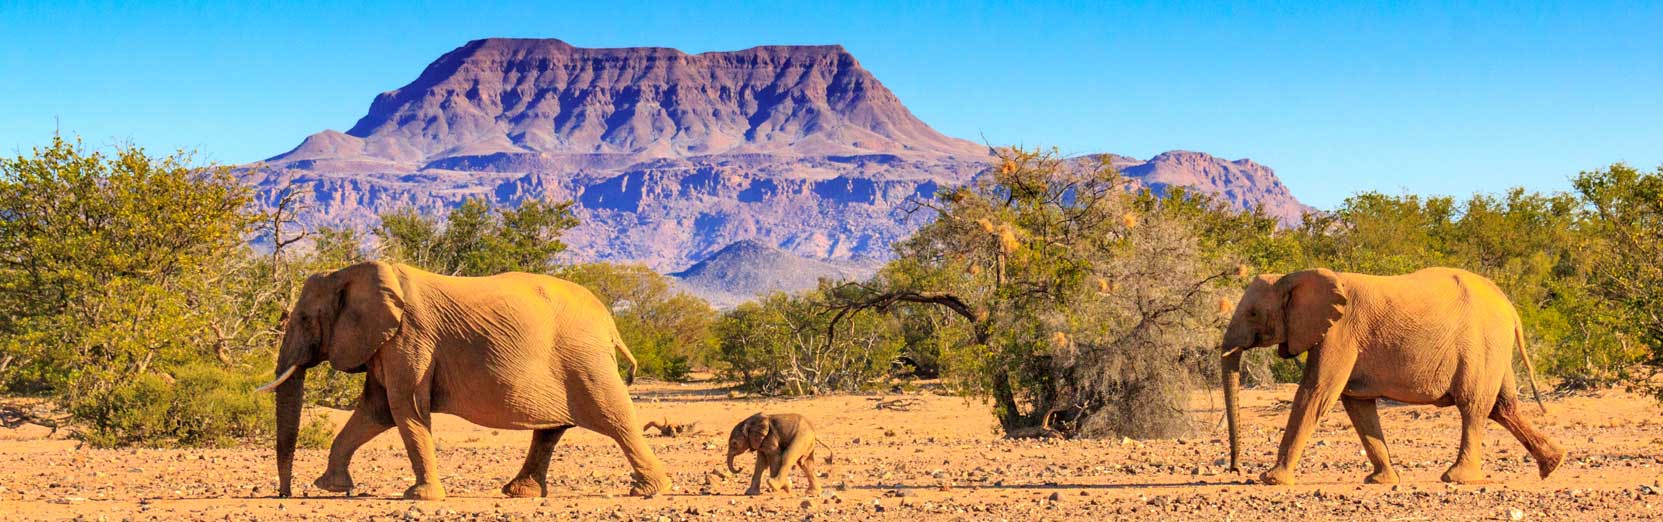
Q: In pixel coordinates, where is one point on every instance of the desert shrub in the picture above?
(128, 294)
(1086, 310)
(316, 433)
(197, 405)
(780, 345)
(1625, 276)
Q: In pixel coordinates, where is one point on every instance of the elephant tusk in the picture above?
(269, 387)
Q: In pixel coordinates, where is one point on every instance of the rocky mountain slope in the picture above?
(746, 269)
(671, 156)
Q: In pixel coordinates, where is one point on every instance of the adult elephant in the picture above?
(510, 351)
(1437, 336)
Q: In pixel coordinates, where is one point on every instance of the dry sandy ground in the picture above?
(943, 460)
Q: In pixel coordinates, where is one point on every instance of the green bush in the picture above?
(779, 346)
(478, 240)
(200, 405)
(128, 293)
(316, 433)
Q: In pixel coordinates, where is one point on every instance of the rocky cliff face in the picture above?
(671, 156)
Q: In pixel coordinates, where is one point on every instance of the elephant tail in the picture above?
(623, 349)
(1529, 369)
(829, 451)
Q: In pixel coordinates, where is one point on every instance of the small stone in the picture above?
(1515, 514)
(1055, 497)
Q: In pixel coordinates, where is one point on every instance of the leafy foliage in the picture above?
(1092, 311)
(477, 240)
(780, 346)
(1624, 271)
(128, 293)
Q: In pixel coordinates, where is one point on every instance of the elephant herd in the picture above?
(534, 352)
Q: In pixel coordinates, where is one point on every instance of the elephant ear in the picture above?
(1312, 301)
(371, 310)
(756, 430)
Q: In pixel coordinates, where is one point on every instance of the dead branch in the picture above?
(902, 404)
(671, 429)
(13, 416)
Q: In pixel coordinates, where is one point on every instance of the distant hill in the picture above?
(672, 157)
(746, 269)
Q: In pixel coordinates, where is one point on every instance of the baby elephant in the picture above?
(780, 441)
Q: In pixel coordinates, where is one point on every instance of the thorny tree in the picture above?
(1089, 310)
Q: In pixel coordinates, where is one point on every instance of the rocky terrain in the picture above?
(670, 156)
(940, 460)
(746, 269)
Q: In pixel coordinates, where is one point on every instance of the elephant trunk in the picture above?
(731, 467)
(1231, 364)
(289, 395)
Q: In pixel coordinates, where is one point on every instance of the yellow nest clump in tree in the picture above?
(1007, 239)
(1007, 167)
(1129, 219)
(1104, 285)
(1225, 307)
(1242, 270)
(1059, 339)
(987, 226)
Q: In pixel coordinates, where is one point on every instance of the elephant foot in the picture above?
(425, 491)
(334, 482)
(644, 486)
(1549, 460)
(1385, 476)
(1465, 475)
(753, 491)
(525, 487)
(1277, 477)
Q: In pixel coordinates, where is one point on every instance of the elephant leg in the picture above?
(368, 420)
(1469, 462)
(1325, 377)
(756, 474)
(1506, 413)
(776, 479)
(780, 478)
(1366, 419)
(532, 480)
(609, 412)
(807, 465)
(414, 421)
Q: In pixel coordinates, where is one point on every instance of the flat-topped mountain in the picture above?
(507, 104)
(671, 156)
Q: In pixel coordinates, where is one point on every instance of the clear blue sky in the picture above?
(1412, 97)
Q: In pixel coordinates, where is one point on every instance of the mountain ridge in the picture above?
(672, 157)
